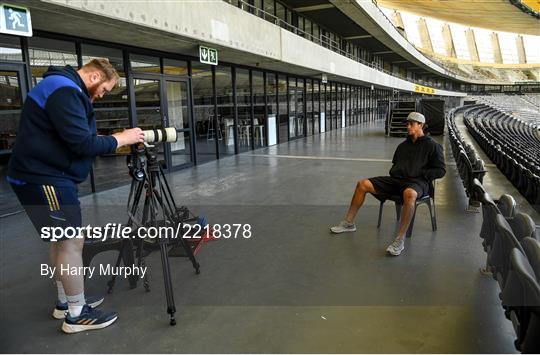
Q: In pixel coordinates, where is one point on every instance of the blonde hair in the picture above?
(104, 67)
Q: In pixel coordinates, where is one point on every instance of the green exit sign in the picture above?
(208, 55)
(15, 20)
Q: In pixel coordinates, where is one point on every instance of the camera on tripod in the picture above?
(152, 204)
(141, 153)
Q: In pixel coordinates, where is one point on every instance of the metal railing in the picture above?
(329, 43)
(321, 40)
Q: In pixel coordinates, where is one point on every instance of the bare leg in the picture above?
(362, 187)
(69, 252)
(409, 200)
(53, 255)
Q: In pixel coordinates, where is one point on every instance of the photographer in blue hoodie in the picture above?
(53, 152)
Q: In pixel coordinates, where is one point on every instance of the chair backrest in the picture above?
(503, 244)
(522, 225)
(489, 212)
(507, 205)
(478, 190)
(525, 275)
(531, 247)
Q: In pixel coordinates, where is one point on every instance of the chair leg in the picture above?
(411, 225)
(433, 214)
(380, 214)
(398, 211)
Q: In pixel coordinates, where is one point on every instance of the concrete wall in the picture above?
(180, 26)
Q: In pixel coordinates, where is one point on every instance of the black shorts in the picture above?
(391, 186)
(50, 206)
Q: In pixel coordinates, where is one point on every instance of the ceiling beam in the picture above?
(383, 52)
(313, 8)
(358, 37)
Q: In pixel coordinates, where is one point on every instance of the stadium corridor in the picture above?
(292, 286)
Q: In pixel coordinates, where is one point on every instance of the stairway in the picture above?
(398, 118)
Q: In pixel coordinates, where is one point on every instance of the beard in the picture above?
(93, 91)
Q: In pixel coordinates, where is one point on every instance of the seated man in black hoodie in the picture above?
(53, 152)
(417, 161)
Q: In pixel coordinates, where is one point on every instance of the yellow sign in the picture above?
(424, 89)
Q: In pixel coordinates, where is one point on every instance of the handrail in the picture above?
(323, 40)
(334, 46)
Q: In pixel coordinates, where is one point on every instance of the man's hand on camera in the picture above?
(129, 136)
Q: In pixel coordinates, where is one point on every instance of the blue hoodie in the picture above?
(57, 140)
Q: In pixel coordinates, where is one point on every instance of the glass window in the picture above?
(330, 105)
(288, 17)
(206, 131)
(300, 25)
(178, 117)
(281, 13)
(300, 109)
(269, 9)
(45, 52)
(283, 111)
(271, 91)
(309, 106)
(316, 106)
(307, 27)
(144, 64)
(111, 116)
(316, 33)
(175, 67)
(293, 107)
(10, 48)
(243, 99)
(259, 120)
(10, 110)
(225, 106)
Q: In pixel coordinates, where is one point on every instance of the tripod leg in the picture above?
(189, 253)
(146, 281)
(110, 283)
(171, 309)
(129, 260)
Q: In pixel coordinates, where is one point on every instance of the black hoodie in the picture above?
(57, 139)
(421, 159)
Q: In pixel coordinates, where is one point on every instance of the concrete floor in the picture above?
(291, 287)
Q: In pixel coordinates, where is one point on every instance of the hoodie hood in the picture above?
(69, 72)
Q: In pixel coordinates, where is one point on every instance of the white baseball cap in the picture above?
(417, 117)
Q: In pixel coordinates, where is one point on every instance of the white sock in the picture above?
(75, 304)
(61, 293)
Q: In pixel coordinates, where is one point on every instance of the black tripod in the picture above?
(158, 210)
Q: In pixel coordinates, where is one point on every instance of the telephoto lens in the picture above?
(160, 135)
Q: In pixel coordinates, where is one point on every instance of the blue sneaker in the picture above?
(61, 308)
(89, 319)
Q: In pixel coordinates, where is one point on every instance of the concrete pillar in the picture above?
(425, 38)
(471, 44)
(497, 54)
(521, 49)
(448, 41)
(398, 23)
